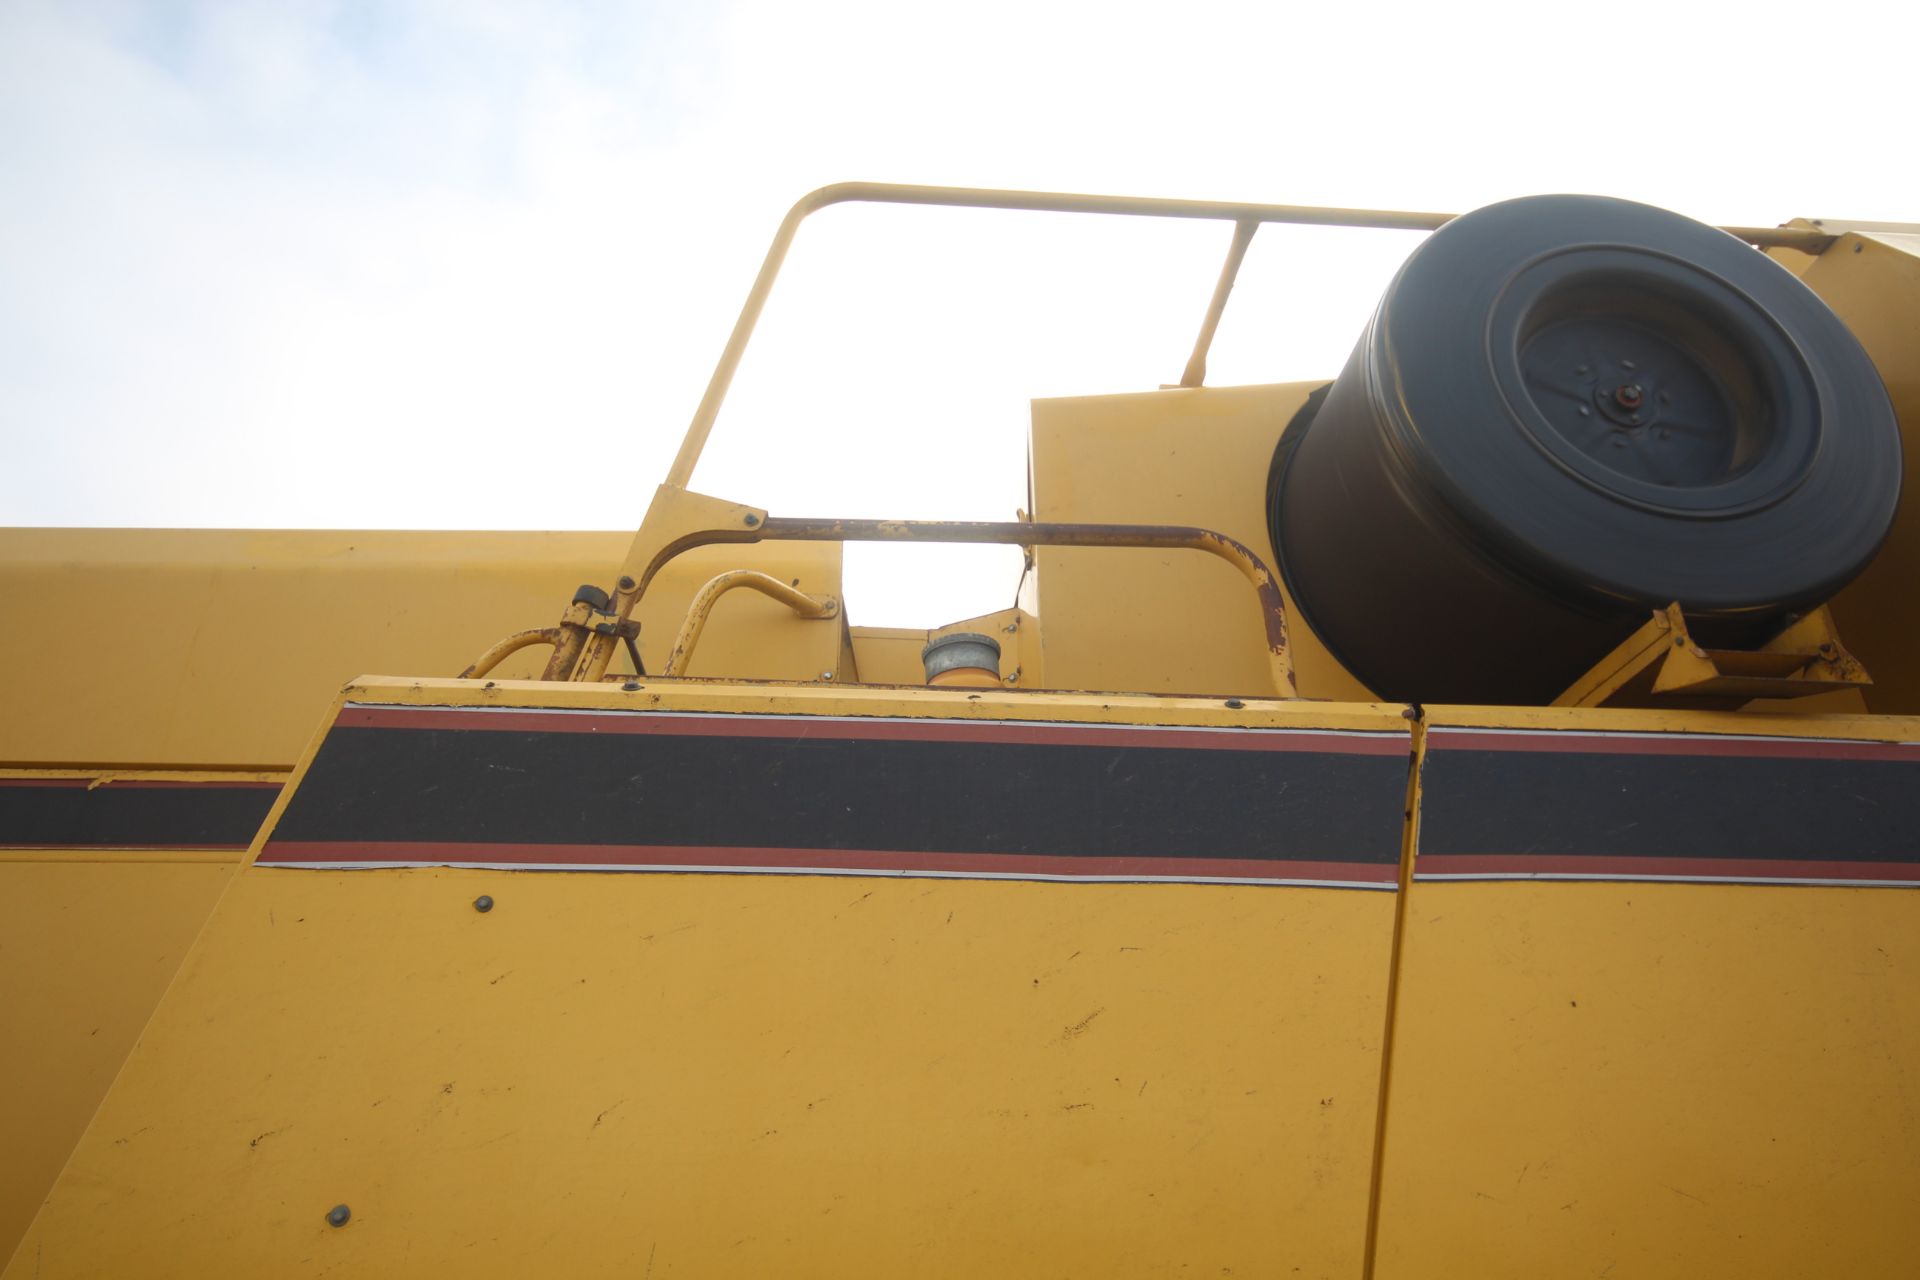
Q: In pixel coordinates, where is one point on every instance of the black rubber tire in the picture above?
(1566, 411)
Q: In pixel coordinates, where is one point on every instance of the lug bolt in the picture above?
(1629, 396)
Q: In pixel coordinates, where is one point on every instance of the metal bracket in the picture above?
(1661, 665)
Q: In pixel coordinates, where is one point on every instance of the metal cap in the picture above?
(961, 649)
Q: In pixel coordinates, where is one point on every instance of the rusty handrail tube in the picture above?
(802, 604)
(1266, 587)
(695, 440)
(500, 650)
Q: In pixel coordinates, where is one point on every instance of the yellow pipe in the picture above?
(1196, 370)
(701, 427)
(800, 602)
(501, 649)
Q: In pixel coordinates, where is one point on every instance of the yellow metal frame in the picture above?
(1663, 665)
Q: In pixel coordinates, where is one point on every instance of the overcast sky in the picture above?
(464, 264)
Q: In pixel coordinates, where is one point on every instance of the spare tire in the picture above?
(1566, 411)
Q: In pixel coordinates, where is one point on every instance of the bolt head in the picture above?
(338, 1215)
(751, 520)
(1235, 703)
(483, 904)
(631, 686)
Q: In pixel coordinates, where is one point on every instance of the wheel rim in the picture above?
(1654, 382)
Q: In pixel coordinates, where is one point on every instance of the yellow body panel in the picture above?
(236, 640)
(742, 1075)
(1645, 1079)
(88, 943)
(809, 1075)
(1115, 619)
(1669, 1080)
(239, 639)
(1872, 281)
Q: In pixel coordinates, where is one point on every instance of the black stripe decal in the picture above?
(771, 787)
(1616, 807)
(75, 813)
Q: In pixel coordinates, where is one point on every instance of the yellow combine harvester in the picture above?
(1458, 820)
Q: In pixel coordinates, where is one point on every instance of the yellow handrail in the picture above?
(1245, 217)
(800, 602)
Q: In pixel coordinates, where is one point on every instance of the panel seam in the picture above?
(1409, 847)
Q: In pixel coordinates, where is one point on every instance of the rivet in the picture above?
(626, 583)
(483, 904)
(338, 1215)
(1235, 703)
(631, 686)
(826, 675)
(751, 519)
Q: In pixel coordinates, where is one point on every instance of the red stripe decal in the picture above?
(615, 857)
(825, 729)
(1524, 866)
(1614, 744)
